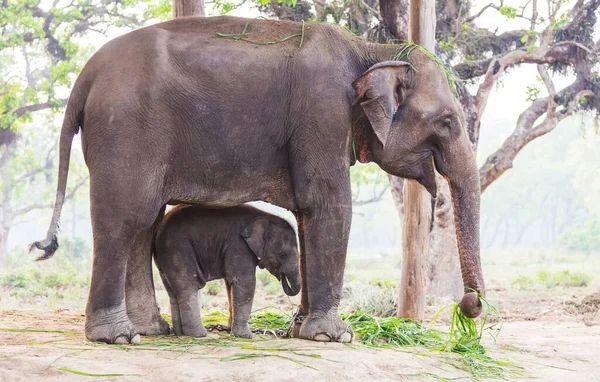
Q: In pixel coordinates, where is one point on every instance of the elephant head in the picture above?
(416, 128)
(274, 243)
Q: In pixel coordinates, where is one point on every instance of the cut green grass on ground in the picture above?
(460, 347)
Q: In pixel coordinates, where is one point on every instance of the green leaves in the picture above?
(508, 12)
(533, 91)
(558, 23)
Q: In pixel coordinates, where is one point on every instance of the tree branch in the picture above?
(525, 131)
(375, 198)
(37, 107)
(37, 206)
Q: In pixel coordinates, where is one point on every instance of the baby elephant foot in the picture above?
(198, 331)
(326, 328)
(242, 331)
(156, 325)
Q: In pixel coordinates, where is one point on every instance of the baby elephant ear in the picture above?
(380, 91)
(255, 235)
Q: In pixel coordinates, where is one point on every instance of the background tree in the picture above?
(42, 49)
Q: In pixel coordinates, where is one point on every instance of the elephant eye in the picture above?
(447, 122)
(282, 255)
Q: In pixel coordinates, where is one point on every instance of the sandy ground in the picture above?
(564, 350)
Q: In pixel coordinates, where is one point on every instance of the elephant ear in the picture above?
(255, 235)
(380, 91)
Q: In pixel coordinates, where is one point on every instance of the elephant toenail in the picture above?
(345, 337)
(322, 337)
(136, 340)
(121, 340)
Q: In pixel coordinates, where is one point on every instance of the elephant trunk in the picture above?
(465, 190)
(291, 284)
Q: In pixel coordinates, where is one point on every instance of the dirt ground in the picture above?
(549, 348)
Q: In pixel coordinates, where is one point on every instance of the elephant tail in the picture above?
(70, 127)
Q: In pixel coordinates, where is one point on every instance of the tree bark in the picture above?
(417, 201)
(188, 8)
(3, 245)
(394, 17)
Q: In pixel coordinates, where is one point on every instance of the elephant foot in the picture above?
(327, 327)
(243, 331)
(198, 331)
(149, 324)
(111, 326)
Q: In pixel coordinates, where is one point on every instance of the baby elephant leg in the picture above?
(189, 314)
(175, 317)
(241, 302)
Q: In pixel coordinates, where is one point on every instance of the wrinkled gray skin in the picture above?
(172, 113)
(195, 245)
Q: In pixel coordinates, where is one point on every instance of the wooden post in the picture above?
(186, 8)
(417, 201)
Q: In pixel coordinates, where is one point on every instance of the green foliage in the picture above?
(272, 289)
(367, 179)
(75, 249)
(543, 194)
(35, 280)
(563, 278)
(43, 48)
(558, 23)
(48, 40)
(550, 280)
(533, 92)
(265, 278)
(583, 237)
(213, 288)
(508, 12)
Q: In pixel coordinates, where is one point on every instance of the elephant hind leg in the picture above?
(123, 216)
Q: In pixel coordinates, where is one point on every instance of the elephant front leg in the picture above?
(303, 309)
(139, 287)
(324, 227)
(242, 295)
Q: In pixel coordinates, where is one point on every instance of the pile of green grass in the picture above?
(460, 347)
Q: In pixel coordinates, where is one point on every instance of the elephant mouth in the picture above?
(291, 289)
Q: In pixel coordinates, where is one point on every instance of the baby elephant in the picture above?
(195, 245)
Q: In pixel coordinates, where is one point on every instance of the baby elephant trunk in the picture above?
(291, 284)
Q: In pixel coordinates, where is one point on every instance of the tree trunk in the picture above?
(3, 245)
(417, 201)
(394, 17)
(187, 8)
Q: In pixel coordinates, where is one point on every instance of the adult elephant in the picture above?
(221, 111)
